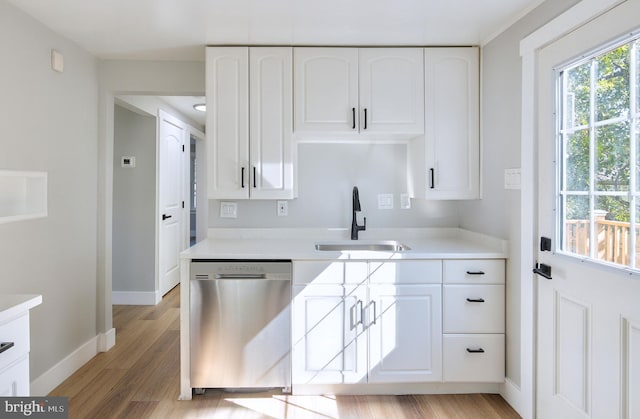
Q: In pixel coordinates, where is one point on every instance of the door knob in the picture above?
(165, 216)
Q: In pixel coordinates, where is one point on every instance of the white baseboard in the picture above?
(107, 340)
(52, 378)
(512, 395)
(136, 298)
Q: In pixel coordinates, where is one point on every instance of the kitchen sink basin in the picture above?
(377, 246)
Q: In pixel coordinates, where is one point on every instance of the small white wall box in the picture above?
(23, 195)
(57, 61)
(128, 161)
(228, 210)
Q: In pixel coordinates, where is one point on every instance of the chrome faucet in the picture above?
(354, 222)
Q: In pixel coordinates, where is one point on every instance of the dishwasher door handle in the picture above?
(241, 276)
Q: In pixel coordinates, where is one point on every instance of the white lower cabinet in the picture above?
(402, 321)
(473, 357)
(473, 321)
(359, 322)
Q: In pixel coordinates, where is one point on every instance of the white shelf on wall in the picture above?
(23, 195)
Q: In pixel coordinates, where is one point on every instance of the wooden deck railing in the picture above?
(614, 240)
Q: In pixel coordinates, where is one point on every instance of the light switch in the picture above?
(512, 178)
(385, 201)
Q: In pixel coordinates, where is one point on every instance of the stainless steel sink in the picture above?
(377, 246)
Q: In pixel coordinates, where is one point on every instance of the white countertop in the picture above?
(299, 244)
(13, 304)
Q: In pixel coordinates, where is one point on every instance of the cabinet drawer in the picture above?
(15, 331)
(473, 358)
(329, 272)
(406, 272)
(473, 308)
(474, 271)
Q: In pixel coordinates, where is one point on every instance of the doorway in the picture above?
(138, 197)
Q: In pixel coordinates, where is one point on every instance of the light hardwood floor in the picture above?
(139, 378)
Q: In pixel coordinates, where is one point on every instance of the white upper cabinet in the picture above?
(250, 151)
(358, 91)
(452, 141)
(391, 90)
(326, 90)
(227, 90)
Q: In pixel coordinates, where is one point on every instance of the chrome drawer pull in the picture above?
(475, 351)
(475, 300)
(5, 346)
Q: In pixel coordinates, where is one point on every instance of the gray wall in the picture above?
(134, 202)
(49, 123)
(327, 174)
(498, 213)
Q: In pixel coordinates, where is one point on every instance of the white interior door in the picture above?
(588, 318)
(172, 135)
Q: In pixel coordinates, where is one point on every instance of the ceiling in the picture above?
(179, 29)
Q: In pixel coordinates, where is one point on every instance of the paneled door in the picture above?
(588, 316)
(171, 231)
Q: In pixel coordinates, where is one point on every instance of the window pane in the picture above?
(577, 96)
(577, 161)
(612, 84)
(576, 214)
(612, 157)
(612, 229)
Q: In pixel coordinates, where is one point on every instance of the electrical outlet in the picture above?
(283, 208)
(405, 201)
(228, 210)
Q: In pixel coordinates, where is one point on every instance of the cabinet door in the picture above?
(391, 90)
(328, 345)
(452, 144)
(227, 86)
(405, 333)
(270, 145)
(325, 90)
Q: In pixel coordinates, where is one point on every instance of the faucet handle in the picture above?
(363, 226)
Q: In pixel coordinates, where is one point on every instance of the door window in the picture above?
(598, 131)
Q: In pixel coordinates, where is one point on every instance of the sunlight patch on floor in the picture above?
(289, 406)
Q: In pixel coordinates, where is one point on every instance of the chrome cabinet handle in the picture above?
(375, 312)
(354, 314)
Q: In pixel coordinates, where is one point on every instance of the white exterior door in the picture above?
(391, 83)
(326, 90)
(172, 184)
(588, 317)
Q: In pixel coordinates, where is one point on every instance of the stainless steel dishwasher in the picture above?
(240, 324)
